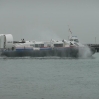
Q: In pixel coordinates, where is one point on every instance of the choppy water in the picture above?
(49, 78)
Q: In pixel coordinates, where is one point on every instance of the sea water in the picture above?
(49, 78)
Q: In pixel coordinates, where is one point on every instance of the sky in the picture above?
(50, 19)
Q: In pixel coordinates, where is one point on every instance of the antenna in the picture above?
(70, 32)
(69, 29)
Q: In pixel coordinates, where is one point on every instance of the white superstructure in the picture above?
(6, 41)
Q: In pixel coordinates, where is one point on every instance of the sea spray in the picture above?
(85, 52)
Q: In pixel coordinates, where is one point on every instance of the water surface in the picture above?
(49, 78)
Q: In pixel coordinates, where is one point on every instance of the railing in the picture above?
(96, 46)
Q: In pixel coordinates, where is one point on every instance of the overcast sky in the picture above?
(46, 19)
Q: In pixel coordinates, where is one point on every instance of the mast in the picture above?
(95, 40)
(70, 36)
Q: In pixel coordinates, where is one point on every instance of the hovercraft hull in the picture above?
(61, 52)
